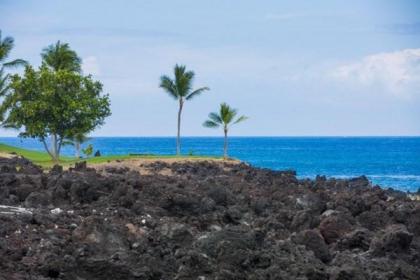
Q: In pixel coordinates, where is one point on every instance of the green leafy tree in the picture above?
(56, 104)
(225, 119)
(59, 56)
(181, 89)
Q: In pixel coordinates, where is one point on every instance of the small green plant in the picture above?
(88, 151)
(191, 153)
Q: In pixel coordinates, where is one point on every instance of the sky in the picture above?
(295, 68)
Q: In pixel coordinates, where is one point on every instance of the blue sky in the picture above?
(294, 67)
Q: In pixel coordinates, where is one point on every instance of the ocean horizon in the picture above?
(388, 161)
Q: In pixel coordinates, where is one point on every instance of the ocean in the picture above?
(386, 161)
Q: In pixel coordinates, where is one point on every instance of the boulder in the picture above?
(394, 239)
(359, 238)
(37, 199)
(333, 228)
(314, 241)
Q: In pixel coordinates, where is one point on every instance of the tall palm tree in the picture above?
(180, 88)
(59, 56)
(225, 118)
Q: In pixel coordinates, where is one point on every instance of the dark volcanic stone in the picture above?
(333, 228)
(200, 220)
(37, 199)
(396, 238)
(314, 241)
(357, 239)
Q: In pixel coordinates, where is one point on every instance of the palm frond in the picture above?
(6, 45)
(227, 113)
(196, 92)
(215, 118)
(241, 119)
(183, 80)
(15, 63)
(168, 85)
(61, 57)
(224, 117)
(180, 87)
(67, 143)
(210, 124)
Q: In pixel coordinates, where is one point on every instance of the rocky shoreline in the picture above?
(201, 220)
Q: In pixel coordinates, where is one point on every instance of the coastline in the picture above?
(389, 162)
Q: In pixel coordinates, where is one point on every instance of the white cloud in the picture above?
(90, 65)
(398, 72)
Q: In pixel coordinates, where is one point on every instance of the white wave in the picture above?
(376, 176)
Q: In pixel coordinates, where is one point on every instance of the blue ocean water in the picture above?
(387, 161)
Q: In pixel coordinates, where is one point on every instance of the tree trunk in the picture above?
(178, 137)
(77, 147)
(60, 142)
(46, 148)
(225, 146)
(54, 144)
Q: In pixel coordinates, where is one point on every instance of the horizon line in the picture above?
(244, 136)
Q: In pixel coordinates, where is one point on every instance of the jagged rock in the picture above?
(56, 169)
(358, 239)
(333, 228)
(201, 220)
(314, 241)
(373, 219)
(395, 238)
(80, 166)
(37, 199)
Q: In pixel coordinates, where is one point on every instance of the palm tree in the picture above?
(6, 46)
(180, 88)
(59, 56)
(77, 140)
(224, 118)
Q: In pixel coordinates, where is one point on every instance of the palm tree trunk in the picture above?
(178, 137)
(225, 146)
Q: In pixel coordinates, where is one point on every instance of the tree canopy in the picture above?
(60, 104)
(224, 118)
(60, 56)
(180, 87)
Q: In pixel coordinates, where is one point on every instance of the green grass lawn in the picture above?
(43, 159)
